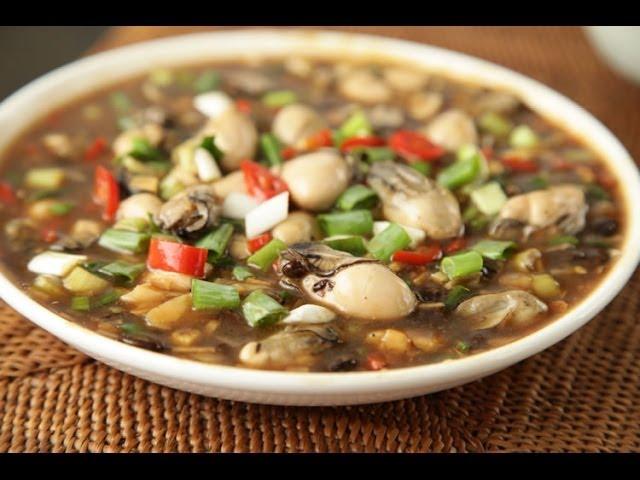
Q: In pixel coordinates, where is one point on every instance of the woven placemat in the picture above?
(582, 394)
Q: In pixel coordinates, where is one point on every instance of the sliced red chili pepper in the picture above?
(106, 192)
(354, 142)
(257, 243)
(260, 182)
(455, 245)
(419, 257)
(375, 361)
(7, 195)
(244, 105)
(321, 139)
(518, 164)
(413, 146)
(177, 257)
(97, 148)
(288, 153)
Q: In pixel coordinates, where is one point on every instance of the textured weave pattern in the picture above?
(580, 395)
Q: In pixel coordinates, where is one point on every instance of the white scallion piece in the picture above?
(206, 165)
(212, 104)
(237, 205)
(309, 314)
(55, 263)
(489, 198)
(267, 215)
(415, 234)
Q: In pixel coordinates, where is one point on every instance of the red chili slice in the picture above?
(177, 257)
(413, 146)
(354, 142)
(288, 153)
(455, 245)
(419, 257)
(260, 182)
(321, 139)
(518, 164)
(7, 195)
(106, 192)
(257, 243)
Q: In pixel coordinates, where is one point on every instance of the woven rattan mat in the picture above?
(580, 395)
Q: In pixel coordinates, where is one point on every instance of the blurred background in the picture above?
(28, 52)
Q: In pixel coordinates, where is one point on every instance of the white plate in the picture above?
(288, 388)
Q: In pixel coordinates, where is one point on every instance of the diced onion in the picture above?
(208, 169)
(415, 234)
(309, 314)
(55, 263)
(267, 215)
(212, 104)
(237, 205)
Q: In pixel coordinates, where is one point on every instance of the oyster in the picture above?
(411, 199)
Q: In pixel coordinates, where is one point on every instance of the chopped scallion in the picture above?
(124, 241)
(495, 124)
(352, 244)
(108, 298)
(129, 271)
(264, 258)
(357, 197)
(564, 239)
(373, 154)
(209, 144)
(279, 98)
(456, 296)
(489, 198)
(355, 126)
(494, 249)
(241, 273)
(389, 241)
(209, 295)
(464, 170)
(461, 264)
(44, 178)
(271, 148)
(523, 137)
(81, 304)
(217, 240)
(260, 309)
(143, 150)
(61, 208)
(423, 167)
(355, 222)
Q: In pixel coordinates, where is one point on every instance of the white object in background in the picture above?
(55, 263)
(619, 46)
(267, 215)
(212, 104)
(237, 205)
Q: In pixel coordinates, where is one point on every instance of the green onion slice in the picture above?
(259, 309)
(355, 222)
(462, 264)
(209, 295)
(389, 241)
